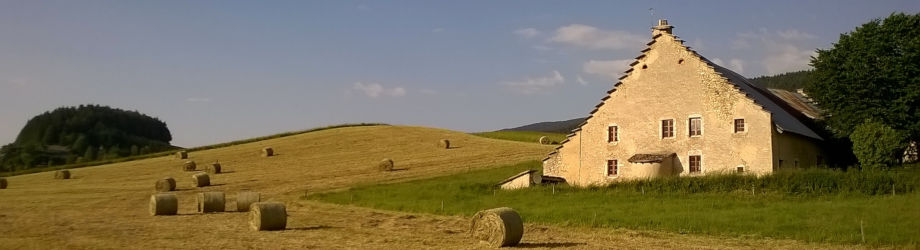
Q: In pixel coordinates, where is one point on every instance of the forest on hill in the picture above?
(788, 81)
(83, 134)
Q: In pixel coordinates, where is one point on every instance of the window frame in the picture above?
(699, 162)
(690, 126)
(616, 168)
(661, 129)
(616, 134)
(744, 127)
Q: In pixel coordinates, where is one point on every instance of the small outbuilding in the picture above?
(522, 180)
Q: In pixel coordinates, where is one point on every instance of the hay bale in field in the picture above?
(267, 216)
(544, 140)
(189, 166)
(214, 168)
(166, 184)
(385, 165)
(201, 180)
(497, 227)
(164, 204)
(182, 155)
(267, 152)
(444, 143)
(211, 202)
(62, 174)
(3, 183)
(245, 199)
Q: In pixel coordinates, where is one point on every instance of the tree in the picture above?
(90, 154)
(134, 150)
(871, 73)
(876, 145)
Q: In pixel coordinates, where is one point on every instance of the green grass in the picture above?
(834, 218)
(165, 153)
(522, 136)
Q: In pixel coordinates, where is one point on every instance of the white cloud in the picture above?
(375, 90)
(437, 30)
(590, 37)
(794, 34)
(718, 61)
(581, 81)
(428, 91)
(782, 51)
(535, 85)
(611, 69)
(527, 32)
(198, 99)
(541, 48)
(736, 65)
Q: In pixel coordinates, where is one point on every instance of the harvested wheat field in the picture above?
(108, 206)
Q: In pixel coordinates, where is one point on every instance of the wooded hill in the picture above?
(788, 81)
(82, 134)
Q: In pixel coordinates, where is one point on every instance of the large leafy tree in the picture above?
(872, 73)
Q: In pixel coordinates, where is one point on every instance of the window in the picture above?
(740, 169)
(613, 134)
(695, 164)
(795, 163)
(739, 125)
(696, 126)
(667, 128)
(612, 168)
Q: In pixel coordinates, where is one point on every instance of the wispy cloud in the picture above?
(437, 30)
(374, 90)
(783, 51)
(581, 80)
(585, 36)
(527, 32)
(611, 69)
(533, 85)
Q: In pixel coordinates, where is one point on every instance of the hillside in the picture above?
(83, 134)
(787, 81)
(106, 206)
(563, 127)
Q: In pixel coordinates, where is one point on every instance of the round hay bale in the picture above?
(267, 216)
(544, 140)
(385, 165)
(164, 204)
(182, 155)
(189, 166)
(444, 143)
(268, 151)
(201, 180)
(214, 168)
(3, 183)
(245, 199)
(166, 184)
(62, 174)
(211, 202)
(497, 227)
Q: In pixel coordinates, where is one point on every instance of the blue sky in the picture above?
(216, 71)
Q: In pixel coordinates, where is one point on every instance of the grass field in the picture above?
(837, 218)
(105, 207)
(522, 136)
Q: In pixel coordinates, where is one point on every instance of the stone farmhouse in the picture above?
(676, 113)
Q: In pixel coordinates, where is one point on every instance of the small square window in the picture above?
(667, 128)
(696, 126)
(612, 168)
(739, 125)
(740, 169)
(613, 134)
(695, 164)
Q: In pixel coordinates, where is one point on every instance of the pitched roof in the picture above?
(783, 118)
(800, 102)
(648, 158)
(516, 176)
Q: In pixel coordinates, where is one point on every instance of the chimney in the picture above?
(662, 27)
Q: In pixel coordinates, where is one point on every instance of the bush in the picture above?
(877, 145)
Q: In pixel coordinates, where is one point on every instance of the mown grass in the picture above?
(837, 217)
(170, 152)
(522, 136)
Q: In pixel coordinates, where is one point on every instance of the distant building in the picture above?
(674, 112)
